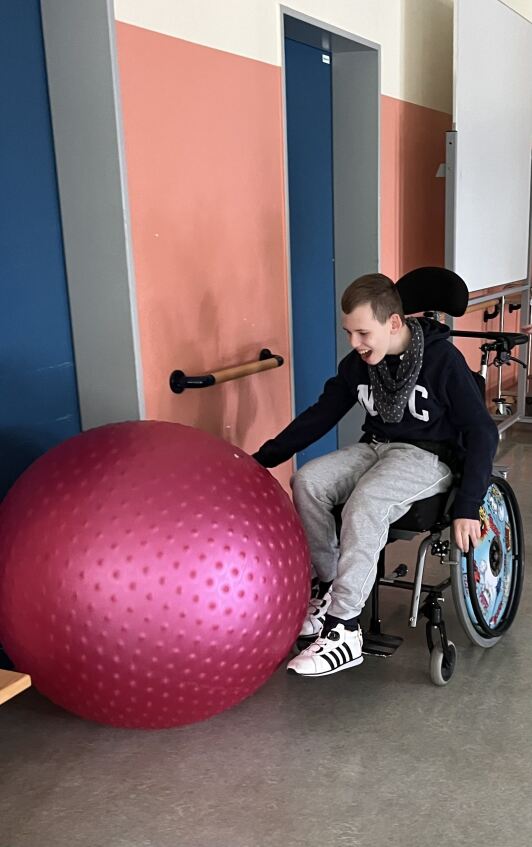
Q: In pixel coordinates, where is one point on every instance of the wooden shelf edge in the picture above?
(12, 683)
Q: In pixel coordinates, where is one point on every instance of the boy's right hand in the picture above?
(465, 529)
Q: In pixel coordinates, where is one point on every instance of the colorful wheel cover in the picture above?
(493, 561)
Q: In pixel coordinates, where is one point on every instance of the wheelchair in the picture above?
(486, 583)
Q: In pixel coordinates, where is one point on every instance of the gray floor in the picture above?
(371, 756)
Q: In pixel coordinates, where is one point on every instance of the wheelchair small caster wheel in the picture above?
(442, 669)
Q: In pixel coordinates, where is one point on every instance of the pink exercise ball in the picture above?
(151, 575)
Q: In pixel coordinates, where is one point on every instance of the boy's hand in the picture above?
(465, 529)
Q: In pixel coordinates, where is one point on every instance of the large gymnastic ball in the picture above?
(151, 575)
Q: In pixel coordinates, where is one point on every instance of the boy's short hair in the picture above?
(377, 290)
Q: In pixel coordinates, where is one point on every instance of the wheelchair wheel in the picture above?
(442, 669)
(488, 581)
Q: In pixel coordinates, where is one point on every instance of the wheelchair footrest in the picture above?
(379, 644)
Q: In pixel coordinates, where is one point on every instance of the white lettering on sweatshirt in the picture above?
(365, 398)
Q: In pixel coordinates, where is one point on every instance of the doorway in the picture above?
(332, 97)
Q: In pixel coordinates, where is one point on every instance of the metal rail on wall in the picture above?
(267, 360)
(509, 409)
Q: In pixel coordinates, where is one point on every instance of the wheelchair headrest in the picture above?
(433, 290)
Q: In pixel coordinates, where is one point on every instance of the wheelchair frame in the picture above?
(443, 655)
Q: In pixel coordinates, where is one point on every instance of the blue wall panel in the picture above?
(38, 394)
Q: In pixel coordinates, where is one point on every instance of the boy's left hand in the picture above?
(465, 529)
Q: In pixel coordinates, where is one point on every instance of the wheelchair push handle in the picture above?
(501, 340)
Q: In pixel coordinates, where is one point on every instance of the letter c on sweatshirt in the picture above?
(423, 415)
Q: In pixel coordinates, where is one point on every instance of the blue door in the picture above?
(38, 393)
(310, 181)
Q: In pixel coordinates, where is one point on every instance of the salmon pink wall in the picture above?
(204, 151)
(204, 148)
(412, 196)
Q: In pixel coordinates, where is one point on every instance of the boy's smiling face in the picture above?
(371, 339)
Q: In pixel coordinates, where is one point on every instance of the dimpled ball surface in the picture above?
(151, 575)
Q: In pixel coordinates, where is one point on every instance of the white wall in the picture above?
(524, 7)
(415, 35)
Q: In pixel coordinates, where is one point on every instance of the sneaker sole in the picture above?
(344, 667)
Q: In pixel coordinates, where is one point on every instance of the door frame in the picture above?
(83, 86)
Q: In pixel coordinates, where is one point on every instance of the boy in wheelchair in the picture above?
(424, 412)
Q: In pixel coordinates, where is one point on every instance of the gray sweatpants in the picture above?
(377, 483)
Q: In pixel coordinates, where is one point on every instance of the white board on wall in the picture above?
(492, 144)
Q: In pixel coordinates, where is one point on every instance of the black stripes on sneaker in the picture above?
(344, 648)
(328, 659)
(340, 649)
(339, 656)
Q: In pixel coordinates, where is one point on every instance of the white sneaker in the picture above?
(317, 609)
(341, 648)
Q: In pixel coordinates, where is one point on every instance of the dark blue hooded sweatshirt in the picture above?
(445, 406)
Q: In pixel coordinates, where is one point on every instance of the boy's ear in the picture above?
(395, 323)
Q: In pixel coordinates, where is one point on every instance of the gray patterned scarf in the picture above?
(390, 395)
